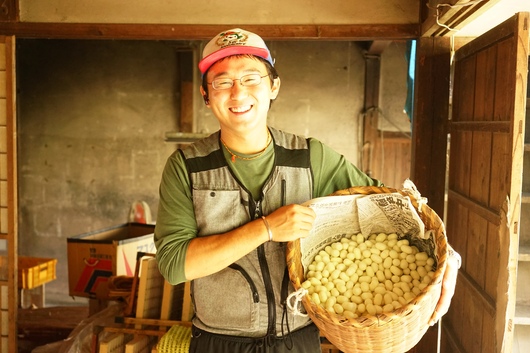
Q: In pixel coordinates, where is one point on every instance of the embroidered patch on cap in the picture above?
(231, 38)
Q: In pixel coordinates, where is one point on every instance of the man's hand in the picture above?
(448, 286)
(291, 222)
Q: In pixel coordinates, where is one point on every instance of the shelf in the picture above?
(522, 315)
(184, 137)
(525, 197)
(524, 252)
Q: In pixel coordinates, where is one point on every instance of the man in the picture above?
(230, 202)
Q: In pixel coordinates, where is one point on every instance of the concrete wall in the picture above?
(92, 117)
(393, 88)
(91, 120)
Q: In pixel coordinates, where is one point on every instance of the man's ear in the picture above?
(205, 96)
(275, 89)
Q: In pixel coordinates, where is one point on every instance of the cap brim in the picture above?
(208, 61)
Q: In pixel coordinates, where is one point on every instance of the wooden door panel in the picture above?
(488, 340)
(492, 267)
(464, 93)
(459, 216)
(460, 155)
(480, 167)
(485, 84)
(484, 171)
(476, 248)
(500, 153)
(472, 335)
(459, 325)
(506, 82)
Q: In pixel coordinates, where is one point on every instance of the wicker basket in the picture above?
(398, 331)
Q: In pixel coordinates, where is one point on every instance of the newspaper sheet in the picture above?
(345, 215)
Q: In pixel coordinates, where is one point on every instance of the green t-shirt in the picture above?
(176, 225)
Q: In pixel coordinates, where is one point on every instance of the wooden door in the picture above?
(484, 186)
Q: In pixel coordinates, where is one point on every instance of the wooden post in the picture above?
(371, 104)
(430, 120)
(429, 131)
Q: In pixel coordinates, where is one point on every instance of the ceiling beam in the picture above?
(444, 16)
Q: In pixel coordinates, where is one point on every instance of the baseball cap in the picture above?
(232, 42)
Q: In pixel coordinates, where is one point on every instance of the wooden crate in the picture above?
(35, 271)
(154, 308)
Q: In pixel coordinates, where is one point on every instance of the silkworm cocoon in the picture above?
(374, 274)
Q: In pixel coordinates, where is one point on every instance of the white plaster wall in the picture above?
(221, 12)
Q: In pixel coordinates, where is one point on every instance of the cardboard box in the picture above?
(94, 257)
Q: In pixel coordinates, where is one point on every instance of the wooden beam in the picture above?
(490, 126)
(484, 212)
(373, 76)
(202, 32)
(430, 120)
(186, 123)
(12, 187)
(371, 112)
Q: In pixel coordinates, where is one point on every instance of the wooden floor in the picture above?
(41, 326)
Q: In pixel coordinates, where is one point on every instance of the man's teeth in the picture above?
(240, 109)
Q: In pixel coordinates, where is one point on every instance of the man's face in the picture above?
(241, 108)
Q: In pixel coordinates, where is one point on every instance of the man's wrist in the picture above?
(269, 230)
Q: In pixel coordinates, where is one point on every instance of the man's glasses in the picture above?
(247, 81)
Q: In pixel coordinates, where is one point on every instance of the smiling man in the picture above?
(230, 202)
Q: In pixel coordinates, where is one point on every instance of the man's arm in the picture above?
(332, 172)
(182, 256)
(209, 254)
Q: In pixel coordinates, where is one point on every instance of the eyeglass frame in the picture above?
(238, 79)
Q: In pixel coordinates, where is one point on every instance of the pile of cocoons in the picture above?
(373, 275)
